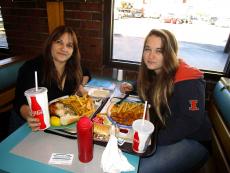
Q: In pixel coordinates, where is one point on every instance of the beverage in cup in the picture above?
(38, 102)
(143, 130)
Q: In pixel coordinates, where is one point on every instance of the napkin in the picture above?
(113, 160)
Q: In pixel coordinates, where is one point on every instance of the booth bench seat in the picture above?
(219, 113)
(8, 76)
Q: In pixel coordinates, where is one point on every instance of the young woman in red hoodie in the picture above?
(176, 93)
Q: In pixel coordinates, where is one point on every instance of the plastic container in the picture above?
(85, 139)
(120, 75)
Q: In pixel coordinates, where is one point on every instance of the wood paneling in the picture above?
(55, 13)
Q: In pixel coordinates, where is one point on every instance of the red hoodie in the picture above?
(185, 72)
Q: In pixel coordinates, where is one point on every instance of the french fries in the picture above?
(81, 105)
(126, 112)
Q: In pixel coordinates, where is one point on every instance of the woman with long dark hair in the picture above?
(59, 70)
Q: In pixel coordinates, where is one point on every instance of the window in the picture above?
(201, 28)
(3, 41)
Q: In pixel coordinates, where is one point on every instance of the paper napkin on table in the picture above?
(113, 160)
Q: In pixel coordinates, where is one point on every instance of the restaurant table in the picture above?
(26, 151)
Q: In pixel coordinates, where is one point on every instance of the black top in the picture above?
(26, 80)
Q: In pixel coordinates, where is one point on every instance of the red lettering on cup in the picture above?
(37, 112)
(136, 142)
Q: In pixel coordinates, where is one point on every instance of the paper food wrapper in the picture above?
(113, 160)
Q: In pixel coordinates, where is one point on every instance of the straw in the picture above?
(36, 81)
(143, 118)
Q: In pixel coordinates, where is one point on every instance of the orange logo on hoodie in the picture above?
(193, 105)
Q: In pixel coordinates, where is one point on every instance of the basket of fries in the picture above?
(125, 113)
(71, 108)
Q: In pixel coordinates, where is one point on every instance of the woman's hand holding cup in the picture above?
(33, 123)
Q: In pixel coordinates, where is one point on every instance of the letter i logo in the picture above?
(193, 105)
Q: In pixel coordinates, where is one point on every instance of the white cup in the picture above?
(120, 75)
(38, 102)
(141, 135)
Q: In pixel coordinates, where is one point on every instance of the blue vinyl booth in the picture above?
(219, 113)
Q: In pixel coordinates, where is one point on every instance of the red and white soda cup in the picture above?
(39, 106)
(142, 130)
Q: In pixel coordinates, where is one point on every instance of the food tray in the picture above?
(127, 145)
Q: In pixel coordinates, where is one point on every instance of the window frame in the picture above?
(108, 42)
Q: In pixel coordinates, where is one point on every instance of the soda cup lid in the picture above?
(147, 127)
(32, 91)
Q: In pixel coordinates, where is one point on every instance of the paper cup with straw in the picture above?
(38, 102)
(143, 130)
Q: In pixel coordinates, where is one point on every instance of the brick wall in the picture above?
(87, 20)
(26, 25)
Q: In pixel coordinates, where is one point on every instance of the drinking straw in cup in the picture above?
(143, 130)
(143, 118)
(142, 135)
(36, 81)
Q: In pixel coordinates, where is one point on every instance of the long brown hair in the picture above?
(157, 88)
(172, 39)
(72, 69)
